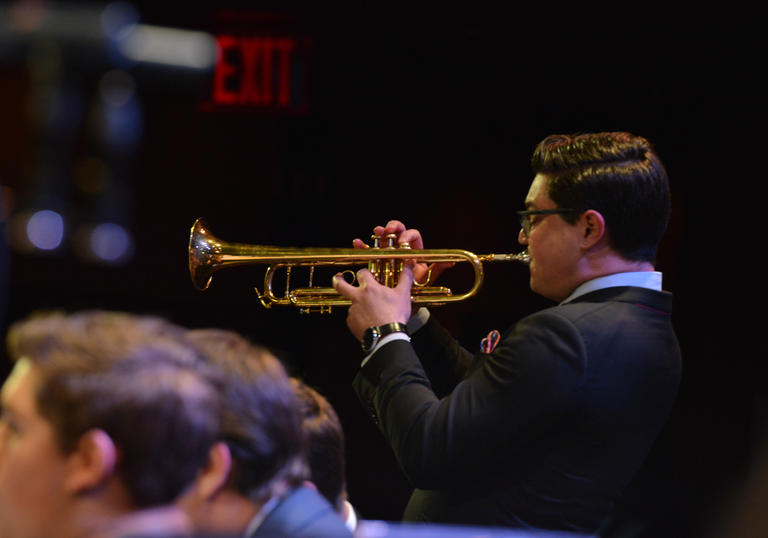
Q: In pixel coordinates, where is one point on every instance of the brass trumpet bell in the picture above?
(208, 254)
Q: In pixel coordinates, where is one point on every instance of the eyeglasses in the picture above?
(525, 217)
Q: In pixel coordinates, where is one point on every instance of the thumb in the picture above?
(343, 287)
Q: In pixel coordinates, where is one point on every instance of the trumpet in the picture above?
(385, 258)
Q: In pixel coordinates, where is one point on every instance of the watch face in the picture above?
(370, 337)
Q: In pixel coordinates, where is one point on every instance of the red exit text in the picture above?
(260, 71)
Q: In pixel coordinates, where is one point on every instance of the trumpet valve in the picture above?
(374, 266)
(398, 264)
(389, 273)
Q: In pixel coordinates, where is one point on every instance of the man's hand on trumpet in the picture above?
(374, 304)
(423, 274)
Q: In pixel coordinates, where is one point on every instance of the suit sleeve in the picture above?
(441, 442)
(444, 360)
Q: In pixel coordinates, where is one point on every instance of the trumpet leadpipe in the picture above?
(521, 257)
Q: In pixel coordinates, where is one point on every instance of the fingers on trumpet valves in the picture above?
(403, 234)
(393, 236)
(392, 227)
(412, 238)
(389, 240)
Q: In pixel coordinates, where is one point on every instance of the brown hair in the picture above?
(615, 173)
(260, 417)
(325, 439)
(134, 378)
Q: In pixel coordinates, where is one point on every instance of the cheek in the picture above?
(19, 493)
(547, 253)
(541, 248)
(29, 482)
(553, 242)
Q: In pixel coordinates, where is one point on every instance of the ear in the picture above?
(216, 472)
(92, 462)
(593, 228)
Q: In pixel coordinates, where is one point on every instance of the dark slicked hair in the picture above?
(615, 173)
(261, 423)
(134, 378)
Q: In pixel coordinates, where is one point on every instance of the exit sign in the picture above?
(268, 72)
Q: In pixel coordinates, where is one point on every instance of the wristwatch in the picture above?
(372, 335)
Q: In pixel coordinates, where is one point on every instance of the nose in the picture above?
(522, 238)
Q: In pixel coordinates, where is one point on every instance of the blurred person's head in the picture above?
(325, 444)
(106, 419)
(261, 453)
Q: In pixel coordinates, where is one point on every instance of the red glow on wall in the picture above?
(261, 71)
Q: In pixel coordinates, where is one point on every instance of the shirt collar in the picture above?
(640, 279)
(261, 515)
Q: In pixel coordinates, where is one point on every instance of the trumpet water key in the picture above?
(208, 254)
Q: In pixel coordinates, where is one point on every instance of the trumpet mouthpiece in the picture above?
(522, 257)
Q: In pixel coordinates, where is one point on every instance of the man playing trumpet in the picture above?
(549, 421)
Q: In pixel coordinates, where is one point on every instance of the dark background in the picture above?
(428, 112)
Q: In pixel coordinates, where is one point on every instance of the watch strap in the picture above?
(394, 327)
(374, 334)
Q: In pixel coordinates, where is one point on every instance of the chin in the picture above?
(533, 286)
(547, 294)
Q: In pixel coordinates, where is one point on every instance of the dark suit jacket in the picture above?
(544, 431)
(304, 513)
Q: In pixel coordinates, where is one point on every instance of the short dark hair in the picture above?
(325, 439)
(133, 378)
(615, 173)
(260, 417)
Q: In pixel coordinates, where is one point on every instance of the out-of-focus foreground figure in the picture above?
(253, 483)
(327, 455)
(106, 419)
